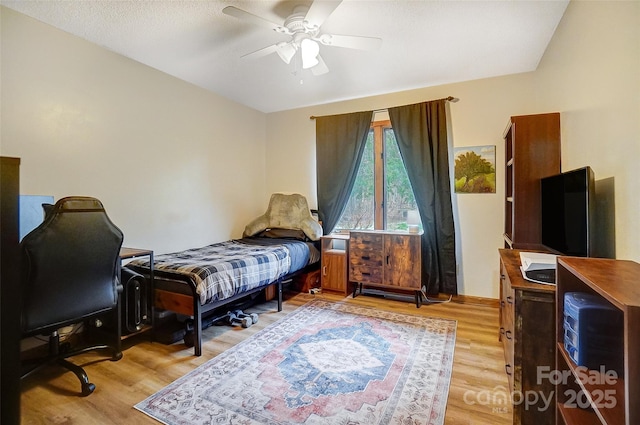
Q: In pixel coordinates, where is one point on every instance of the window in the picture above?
(382, 197)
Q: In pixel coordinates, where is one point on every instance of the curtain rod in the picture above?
(449, 99)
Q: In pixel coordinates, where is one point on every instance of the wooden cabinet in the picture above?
(386, 260)
(333, 253)
(527, 328)
(402, 266)
(591, 396)
(10, 297)
(532, 151)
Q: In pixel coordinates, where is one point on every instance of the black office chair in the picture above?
(70, 274)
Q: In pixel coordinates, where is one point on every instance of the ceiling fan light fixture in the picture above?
(286, 51)
(310, 50)
(304, 28)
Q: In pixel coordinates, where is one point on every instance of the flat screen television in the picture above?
(568, 209)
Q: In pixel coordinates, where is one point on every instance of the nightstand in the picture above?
(334, 253)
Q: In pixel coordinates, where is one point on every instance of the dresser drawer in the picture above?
(361, 242)
(364, 274)
(366, 258)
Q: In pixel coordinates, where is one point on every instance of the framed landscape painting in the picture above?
(475, 169)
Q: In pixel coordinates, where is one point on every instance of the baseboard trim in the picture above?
(469, 299)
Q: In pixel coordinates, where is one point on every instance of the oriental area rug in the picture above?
(324, 363)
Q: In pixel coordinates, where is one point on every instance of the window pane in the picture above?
(360, 209)
(400, 204)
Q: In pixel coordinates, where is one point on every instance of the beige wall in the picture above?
(175, 166)
(589, 74)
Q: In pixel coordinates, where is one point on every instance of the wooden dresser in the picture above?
(388, 260)
(527, 333)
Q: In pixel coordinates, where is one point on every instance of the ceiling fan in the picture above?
(303, 25)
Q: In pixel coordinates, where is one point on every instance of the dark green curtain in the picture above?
(421, 132)
(340, 141)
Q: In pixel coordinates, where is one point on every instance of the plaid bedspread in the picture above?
(226, 268)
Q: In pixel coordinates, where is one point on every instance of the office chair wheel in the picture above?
(117, 356)
(87, 388)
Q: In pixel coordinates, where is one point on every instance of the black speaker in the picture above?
(134, 305)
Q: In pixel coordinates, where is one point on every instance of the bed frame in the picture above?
(177, 293)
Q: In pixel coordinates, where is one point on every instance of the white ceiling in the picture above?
(425, 43)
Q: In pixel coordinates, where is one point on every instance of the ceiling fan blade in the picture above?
(350, 41)
(262, 52)
(286, 51)
(320, 68)
(254, 19)
(320, 11)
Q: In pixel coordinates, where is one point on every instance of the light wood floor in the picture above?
(51, 396)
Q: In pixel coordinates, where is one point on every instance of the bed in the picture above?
(200, 282)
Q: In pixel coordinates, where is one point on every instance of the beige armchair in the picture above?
(286, 212)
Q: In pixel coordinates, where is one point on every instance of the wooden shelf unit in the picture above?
(532, 151)
(599, 402)
(527, 325)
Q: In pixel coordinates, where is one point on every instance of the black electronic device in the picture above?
(542, 275)
(568, 211)
(134, 308)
